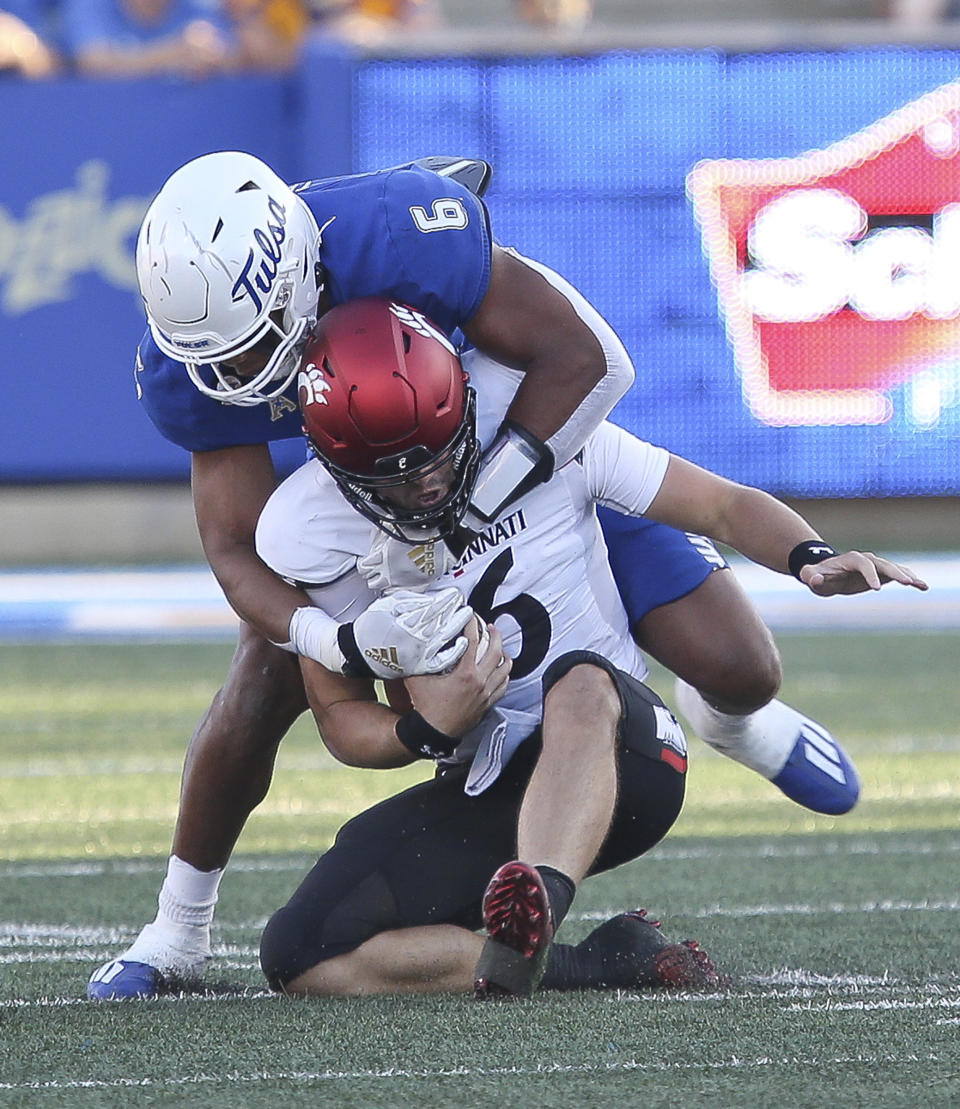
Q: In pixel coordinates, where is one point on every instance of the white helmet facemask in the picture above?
(227, 261)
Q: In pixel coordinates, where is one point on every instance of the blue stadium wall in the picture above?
(591, 156)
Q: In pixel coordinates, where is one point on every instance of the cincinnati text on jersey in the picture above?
(496, 534)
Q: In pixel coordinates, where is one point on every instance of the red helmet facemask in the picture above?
(385, 404)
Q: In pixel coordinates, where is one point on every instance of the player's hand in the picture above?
(856, 572)
(394, 565)
(408, 633)
(456, 702)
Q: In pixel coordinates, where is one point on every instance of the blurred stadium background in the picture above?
(592, 138)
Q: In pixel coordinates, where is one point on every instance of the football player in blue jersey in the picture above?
(235, 267)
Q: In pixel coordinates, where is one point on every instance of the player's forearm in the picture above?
(361, 734)
(355, 728)
(553, 391)
(569, 389)
(575, 367)
(436, 710)
(230, 488)
(754, 523)
(254, 591)
(761, 527)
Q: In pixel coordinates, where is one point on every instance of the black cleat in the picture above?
(630, 952)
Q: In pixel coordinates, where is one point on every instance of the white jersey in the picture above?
(539, 572)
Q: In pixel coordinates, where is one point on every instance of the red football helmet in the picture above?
(385, 402)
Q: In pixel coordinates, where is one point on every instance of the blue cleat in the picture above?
(124, 978)
(802, 759)
(164, 957)
(818, 774)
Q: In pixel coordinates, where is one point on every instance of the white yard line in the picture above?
(796, 984)
(862, 1006)
(62, 943)
(95, 956)
(790, 1062)
(878, 990)
(246, 993)
(893, 997)
(816, 848)
(826, 908)
(152, 866)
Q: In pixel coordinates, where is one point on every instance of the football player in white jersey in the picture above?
(555, 760)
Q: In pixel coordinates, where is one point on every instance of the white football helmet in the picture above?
(227, 260)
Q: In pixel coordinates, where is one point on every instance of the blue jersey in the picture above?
(405, 233)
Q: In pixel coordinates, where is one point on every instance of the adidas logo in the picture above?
(424, 557)
(385, 656)
(820, 749)
(707, 549)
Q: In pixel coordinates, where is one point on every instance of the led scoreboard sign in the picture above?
(838, 271)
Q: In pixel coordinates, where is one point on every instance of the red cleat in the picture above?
(516, 915)
(684, 966)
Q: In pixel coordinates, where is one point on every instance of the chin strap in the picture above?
(516, 463)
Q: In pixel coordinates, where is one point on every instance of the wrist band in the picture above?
(807, 553)
(354, 664)
(422, 738)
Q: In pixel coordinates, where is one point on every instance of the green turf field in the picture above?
(841, 934)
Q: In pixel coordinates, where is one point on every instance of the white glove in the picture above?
(402, 634)
(395, 565)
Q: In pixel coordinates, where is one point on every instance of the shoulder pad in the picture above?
(473, 173)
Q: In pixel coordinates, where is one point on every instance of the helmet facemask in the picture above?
(368, 494)
(285, 333)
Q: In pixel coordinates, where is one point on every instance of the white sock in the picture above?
(761, 740)
(188, 896)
